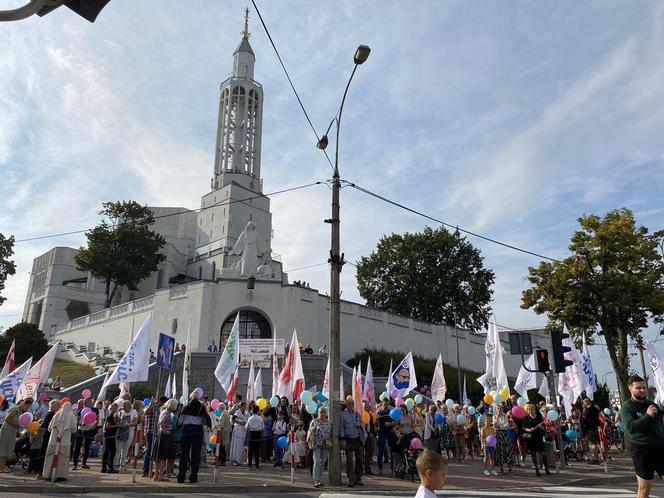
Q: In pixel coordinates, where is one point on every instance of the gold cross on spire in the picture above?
(245, 33)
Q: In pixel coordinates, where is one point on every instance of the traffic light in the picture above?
(559, 361)
(542, 356)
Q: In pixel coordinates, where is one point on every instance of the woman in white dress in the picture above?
(239, 433)
(63, 425)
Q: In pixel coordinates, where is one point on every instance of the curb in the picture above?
(152, 489)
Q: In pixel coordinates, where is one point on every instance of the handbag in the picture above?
(311, 437)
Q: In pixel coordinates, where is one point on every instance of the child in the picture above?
(432, 468)
(279, 429)
(489, 451)
(301, 444)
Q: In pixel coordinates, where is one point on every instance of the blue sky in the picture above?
(511, 119)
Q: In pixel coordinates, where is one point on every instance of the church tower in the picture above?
(238, 153)
(236, 196)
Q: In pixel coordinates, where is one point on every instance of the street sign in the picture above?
(165, 351)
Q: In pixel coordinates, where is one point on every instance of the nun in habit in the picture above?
(238, 435)
(63, 425)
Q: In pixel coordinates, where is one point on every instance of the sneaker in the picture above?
(487, 473)
(494, 473)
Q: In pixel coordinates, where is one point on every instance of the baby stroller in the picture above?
(405, 457)
(21, 455)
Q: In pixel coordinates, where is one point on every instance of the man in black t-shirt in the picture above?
(110, 429)
(384, 426)
(590, 427)
(85, 434)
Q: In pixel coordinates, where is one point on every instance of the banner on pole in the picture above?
(165, 351)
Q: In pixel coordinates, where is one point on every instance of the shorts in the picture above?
(593, 436)
(647, 461)
(490, 451)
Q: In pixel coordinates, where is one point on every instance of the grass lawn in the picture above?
(71, 373)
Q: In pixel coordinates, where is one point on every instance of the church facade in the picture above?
(219, 263)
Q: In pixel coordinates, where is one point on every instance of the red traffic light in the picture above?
(542, 356)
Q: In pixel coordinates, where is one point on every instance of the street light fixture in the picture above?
(336, 263)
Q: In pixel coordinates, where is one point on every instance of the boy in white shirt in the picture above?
(432, 468)
(255, 428)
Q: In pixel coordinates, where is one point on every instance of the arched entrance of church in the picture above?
(253, 325)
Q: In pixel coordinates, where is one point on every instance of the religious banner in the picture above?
(10, 384)
(527, 377)
(37, 375)
(260, 351)
(403, 377)
(438, 384)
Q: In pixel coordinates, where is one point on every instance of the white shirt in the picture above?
(255, 423)
(423, 492)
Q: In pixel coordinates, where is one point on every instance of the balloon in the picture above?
(440, 419)
(305, 397)
(394, 393)
(504, 393)
(85, 411)
(398, 401)
(33, 427)
(607, 411)
(415, 444)
(449, 403)
(183, 400)
(418, 398)
(498, 398)
(480, 420)
(262, 403)
(49, 380)
(461, 419)
(552, 415)
(282, 442)
(214, 404)
(35, 405)
(395, 414)
(409, 404)
(25, 419)
(366, 418)
(384, 395)
(490, 441)
(521, 401)
(311, 408)
(571, 434)
(213, 439)
(466, 401)
(471, 410)
(518, 412)
(89, 418)
(86, 393)
(217, 412)
(320, 396)
(274, 401)
(199, 392)
(488, 399)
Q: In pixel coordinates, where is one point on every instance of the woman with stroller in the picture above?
(9, 430)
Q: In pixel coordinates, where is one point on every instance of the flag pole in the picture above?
(155, 405)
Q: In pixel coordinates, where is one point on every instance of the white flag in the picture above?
(10, 384)
(258, 384)
(102, 392)
(250, 383)
(342, 394)
(389, 386)
(495, 376)
(587, 370)
(326, 381)
(657, 363)
(174, 387)
(135, 363)
(571, 382)
(275, 368)
(168, 392)
(465, 394)
(8, 367)
(369, 391)
(291, 378)
(186, 366)
(37, 375)
(544, 388)
(438, 384)
(230, 357)
(526, 380)
(403, 377)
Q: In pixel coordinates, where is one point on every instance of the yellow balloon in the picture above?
(262, 403)
(504, 393)
(213, 439)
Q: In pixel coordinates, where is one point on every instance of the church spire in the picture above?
(245, 34)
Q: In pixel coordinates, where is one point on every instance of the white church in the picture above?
(211, 254)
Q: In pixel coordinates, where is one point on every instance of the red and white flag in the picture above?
(357, 388)
(234, 384)
(369, 391)
(326, 381)
(291, 379)
(37, 375)
(9, 361)
(275, 369)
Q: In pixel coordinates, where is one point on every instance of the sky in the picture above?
(511, 119)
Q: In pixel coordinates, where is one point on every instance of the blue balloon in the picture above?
(146, 402)
(320, 396)
(217, 412)
(282, 442)
(480, 419)
(552, 415)
(461, 419)
(395, 414)
(440, 419)
(449, 403)
(274, 401)
(571, 434)
(471, 410)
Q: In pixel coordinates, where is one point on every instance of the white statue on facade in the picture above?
(265, 270)
(250, 247)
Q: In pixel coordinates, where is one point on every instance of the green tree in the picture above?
(611, 285)
(30, 341)
(123, 249)
(434, 276)
(7, 266)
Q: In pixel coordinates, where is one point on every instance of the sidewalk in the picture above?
(270, 480)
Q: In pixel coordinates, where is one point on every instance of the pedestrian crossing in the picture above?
(543, 491)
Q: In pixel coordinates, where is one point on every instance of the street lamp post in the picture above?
(336, 261)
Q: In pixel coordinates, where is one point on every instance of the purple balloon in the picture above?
(394, 393)
(85, 411)
(199, 392)
(491, 441)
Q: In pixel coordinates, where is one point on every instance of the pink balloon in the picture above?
(214, 404)
(85, 411)
(518, 412)
(86, 393)
(399, 401)
(89, 418)
(415, 444)
(25, 419)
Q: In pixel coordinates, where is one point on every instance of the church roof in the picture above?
(244, 46)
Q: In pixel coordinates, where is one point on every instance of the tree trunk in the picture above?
(109, 297)
(617, 353)
(108, 291)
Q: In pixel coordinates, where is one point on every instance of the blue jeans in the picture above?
(278, 452)
(148, 453)
(320, 457)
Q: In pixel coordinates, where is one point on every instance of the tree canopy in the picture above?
(611, 284)
(434, 276)
(123, 249)
(30, 341)
(7, 266)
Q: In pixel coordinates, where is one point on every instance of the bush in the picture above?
(30, 341)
